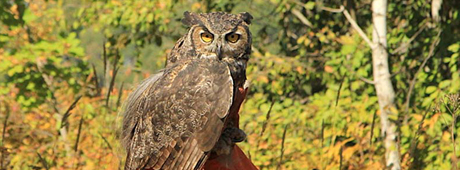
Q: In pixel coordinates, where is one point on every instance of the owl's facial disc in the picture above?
(230, 44)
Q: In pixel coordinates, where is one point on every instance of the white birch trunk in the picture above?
(383, 86)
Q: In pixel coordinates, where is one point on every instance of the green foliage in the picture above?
(309, 106)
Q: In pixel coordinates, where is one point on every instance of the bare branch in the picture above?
(78, 134)
(114, 76)
(5, 124)
(120, 93)
(104, 54)
(282, 147)
(66, 115)
(338, 91)
(412, 82)
(357, 28)
(366, 80)
(372, 134)
(360, 77)
(404, 46)
(96, 78)
(341, 157)
(352, 22)
(301, 17)
(43, 161)
(106, 141)
(49, 84)
(264, 125)
(333, 10)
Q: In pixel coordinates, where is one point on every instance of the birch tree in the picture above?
(382, 82)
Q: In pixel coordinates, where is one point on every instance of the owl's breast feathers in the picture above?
(174, 119)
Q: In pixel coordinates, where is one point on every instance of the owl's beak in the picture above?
(218, 51)
(217, 47)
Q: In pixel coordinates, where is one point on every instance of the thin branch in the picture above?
(120, 93)
(106, 141)
(371, 81)
(452, 101)
(78, 134)
(67, 113)
(372, 133)
(338, 91)
(96, 78)
(48, 84)
(341, 9)
(250, 156)
(341, 157)
(114, 76)
(282, 147)
(5, 124)
(43, 161)
(366, 80)
(322, 133)
(264, 125)
(405, 45)
(301, 17)
(372, 127)
(352, 22)
(104, 54)
(360, 77)
(412, 83)
(357, 28)
(452, 134)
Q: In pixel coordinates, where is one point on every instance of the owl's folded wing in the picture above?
(174, 119)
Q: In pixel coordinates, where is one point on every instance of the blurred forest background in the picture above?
(67, 66)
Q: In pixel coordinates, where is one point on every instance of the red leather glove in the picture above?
(237, 160)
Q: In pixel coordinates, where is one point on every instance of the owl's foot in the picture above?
(229, 137)
(235, 134)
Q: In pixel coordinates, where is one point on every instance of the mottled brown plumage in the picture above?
(174, 119)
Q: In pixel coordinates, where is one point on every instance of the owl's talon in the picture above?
(238, 136)
(229, 137)
(235, 134)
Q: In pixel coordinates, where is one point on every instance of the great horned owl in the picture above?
(176, 118)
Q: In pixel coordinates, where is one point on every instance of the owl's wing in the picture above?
(175, 118)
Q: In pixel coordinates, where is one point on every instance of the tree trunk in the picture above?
(383, 86)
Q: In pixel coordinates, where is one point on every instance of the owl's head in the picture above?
(221, 35)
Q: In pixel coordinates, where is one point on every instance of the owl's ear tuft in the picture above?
(246, 17)
(190, 19)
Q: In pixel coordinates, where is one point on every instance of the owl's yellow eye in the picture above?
(233, 38)
(206, 37)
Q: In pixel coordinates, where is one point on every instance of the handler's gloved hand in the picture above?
(226, 155)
